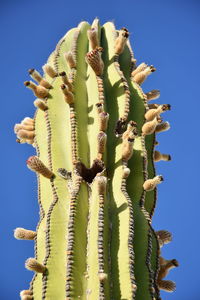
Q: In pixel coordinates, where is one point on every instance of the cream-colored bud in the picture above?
(33, 265)
(152, 95)
(149, 127)
(155, 112)
(38, 90)
(140, 77)
(121, 40)
(139, 68)
(36, 165)
(28, 121)
(24, 234)
(159, 156)
(150, 184)
(68, 96)
(162, 127)
(26, 134)
(101, 184)
(127, 147)
(93, 37)
(125, 173)
(70, 59)
(26, 293)
(103, 276)
(49, 70)
(25, 127)
(40, 104)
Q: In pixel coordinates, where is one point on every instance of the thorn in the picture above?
(33, 265)
(24, 234)
(36, 165)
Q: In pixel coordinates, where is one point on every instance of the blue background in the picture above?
(163, 33)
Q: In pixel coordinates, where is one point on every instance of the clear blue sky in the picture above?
(163, 33)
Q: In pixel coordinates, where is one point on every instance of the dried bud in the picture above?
(159, 156)
(24, 234)
(37, 77)
(103, 121)
(40, 104)
(152, 95)
(101, 139)
(38, 90)
(28, 121)
(150, 184)
(50, 71)
(68, 96)
(94, 59)
(66, 80)
(162, 127)
(36, 165)
(33, 265)
(99, 107)
(164, 237)
(155, 112)
(24, 127)
(167, 285)
(70, 59)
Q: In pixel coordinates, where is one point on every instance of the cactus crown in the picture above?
(96, 176)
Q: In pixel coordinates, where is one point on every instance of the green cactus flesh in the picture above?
(94, 235)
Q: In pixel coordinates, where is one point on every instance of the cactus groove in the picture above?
(94, 160)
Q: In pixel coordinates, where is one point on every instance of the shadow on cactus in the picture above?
(94, 134)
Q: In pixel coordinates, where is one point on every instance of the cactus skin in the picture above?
(94, 237)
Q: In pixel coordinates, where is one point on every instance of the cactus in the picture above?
(94, 134)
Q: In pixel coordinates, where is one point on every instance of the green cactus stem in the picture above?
(95, 153)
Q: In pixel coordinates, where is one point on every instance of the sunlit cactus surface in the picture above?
(94, 134)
